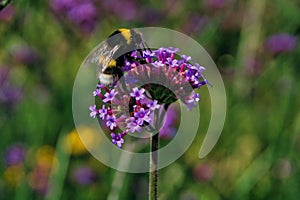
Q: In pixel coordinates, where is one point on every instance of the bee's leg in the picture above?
(145, 46)
(141, 60)
(121, 81)
(141, 52)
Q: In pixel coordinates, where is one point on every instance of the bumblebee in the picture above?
(112, 54)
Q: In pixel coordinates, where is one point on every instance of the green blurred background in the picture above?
(253, 43)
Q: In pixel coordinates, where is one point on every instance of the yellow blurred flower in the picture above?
(78, 140)
(13, 175)
(38, 177)
(45, 156)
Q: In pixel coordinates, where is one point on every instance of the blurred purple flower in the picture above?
(169, 128)
(280, 43)
(84, 175)
(203, 172)
(62, 5)
(4, 75)
(84, 15)
(14, 154)
(125, 10)
(152, 16)
(7, 13)
(8, 93)
(24, 54)
(195, 23)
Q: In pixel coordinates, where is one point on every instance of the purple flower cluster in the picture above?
(139, 115)
(178, 72)
(136, 106)
(81, 13)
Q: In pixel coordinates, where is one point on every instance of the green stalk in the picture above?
(153, 175)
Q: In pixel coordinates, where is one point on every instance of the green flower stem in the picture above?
(153, 175)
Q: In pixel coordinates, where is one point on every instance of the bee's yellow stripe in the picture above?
(126, 34)
(112, 63)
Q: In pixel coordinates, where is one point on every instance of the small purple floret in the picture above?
(117, 139)
(138, 94)
(93, 110)
(111, 122)
(110, 96)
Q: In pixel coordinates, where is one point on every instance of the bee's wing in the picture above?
(101, 56)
